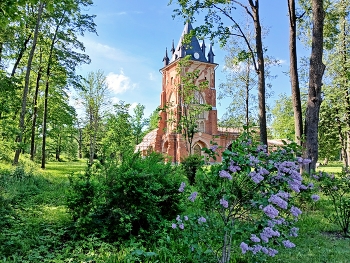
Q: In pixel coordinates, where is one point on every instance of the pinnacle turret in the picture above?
(166, 58)
(211, 54)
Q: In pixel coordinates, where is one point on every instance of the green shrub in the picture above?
(190, 165)
(131, 199)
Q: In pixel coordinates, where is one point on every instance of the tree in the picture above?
(315, 86)
(138, 123)
(94, 98)
(26, 85)
(241, 81)
(283, 120)
(217, 11)
(294, 79)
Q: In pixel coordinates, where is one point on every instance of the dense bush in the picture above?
(190, 165)
(130, 199)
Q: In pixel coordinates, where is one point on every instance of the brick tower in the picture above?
(165, 139)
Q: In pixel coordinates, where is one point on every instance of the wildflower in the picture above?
(225, 174)
(186, 218)
(288, 244)
(275, 199)
(173, 226)
(193, 196)
(261, 148)
(270, 211)
(178, 219)
(254, 238)
(295, 211)
(294, 232)
(315, 197)
(202, 220)
(244, 247)
(182, 187)
(224, 203)
(181, 226)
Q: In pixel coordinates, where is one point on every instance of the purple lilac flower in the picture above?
(276, 221)
(270, 211)
(272, 252)
(213, 148)
(275, 199)
(283, 195)
(244, 247)
(303, 187)
(181, 226)
(253, 160)
(299, 160)
(294, 232)
(263, 171)
(310, 186)
(261, 148)
(256, 248)
(306, 161)
(224, 203)
(182, 187)
(193, 196)
(202, 220)
(256, 177)
(294, 185)
(315, 197)
(234, 168)
(225, 174)
(254, 238)
(288, 244)
(295, 211)
(186, 218)
(267, 233)
(173, 226)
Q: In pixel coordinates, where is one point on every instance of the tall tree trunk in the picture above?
(20, 54)
(47, 84)
(35, 111)
(261, 72)
(26, 86)
(342, 140)
(247, 86)
(294, 79)
(315, 86)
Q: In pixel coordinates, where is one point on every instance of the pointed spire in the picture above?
(211, 54)
(166, 58)
(172, 48)
(203, 47)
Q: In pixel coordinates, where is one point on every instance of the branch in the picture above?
(241, 31)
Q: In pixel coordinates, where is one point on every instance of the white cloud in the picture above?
(121, 13)
(119, 83)
(151, 76)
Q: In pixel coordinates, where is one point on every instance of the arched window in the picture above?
(198, 98)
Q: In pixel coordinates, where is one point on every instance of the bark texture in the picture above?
(315, 86)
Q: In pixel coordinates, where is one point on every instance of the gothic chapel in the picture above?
(165, 139)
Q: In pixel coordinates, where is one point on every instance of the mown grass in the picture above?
(35, 226)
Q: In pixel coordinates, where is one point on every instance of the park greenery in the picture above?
(73, 189)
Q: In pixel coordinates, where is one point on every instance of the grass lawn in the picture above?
(34, 224)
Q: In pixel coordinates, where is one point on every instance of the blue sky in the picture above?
(132, 37)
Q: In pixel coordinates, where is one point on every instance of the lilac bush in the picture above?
(246, 205)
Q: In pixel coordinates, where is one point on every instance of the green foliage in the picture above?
(337, 189)
(130, 199)
(191, 164)
(283, 118)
